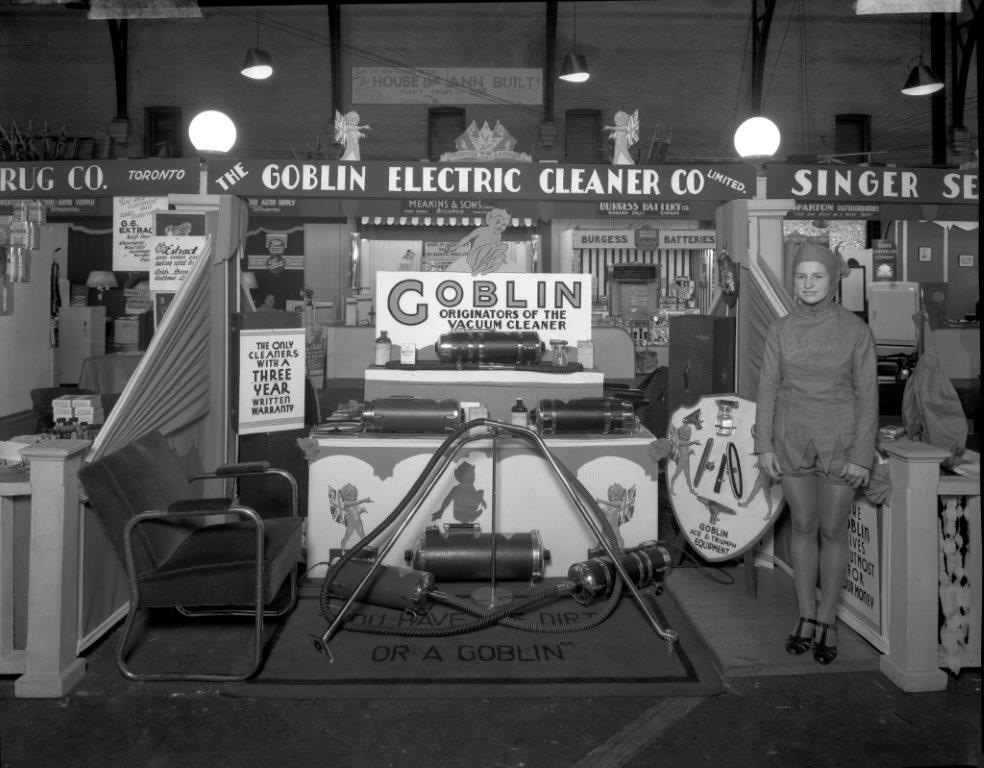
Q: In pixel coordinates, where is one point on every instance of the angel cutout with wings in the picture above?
(624, 134)
(619, 507)
(346, 509)
(348, 132)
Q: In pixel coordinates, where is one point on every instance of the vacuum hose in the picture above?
(504, 614)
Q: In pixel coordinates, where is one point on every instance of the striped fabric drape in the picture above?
(170, 387)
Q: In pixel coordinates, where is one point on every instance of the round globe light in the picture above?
(757, 137)
(212, 131)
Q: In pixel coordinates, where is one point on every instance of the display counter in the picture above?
(519, 486)
(496, 394)
(109, 373)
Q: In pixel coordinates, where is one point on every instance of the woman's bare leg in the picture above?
(802, 495)
(835, 508)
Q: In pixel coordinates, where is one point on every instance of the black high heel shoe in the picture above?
(798, 643)
(823, 653)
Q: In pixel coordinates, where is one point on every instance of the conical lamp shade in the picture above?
(574, 69)
(258, 64)
(922, 81)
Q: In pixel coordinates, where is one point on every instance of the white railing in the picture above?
(934, 560)
(959, 529)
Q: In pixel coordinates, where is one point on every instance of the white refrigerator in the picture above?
(81, 334)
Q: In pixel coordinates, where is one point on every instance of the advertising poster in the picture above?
(133, 226)
(174, 256)
(885, 258)
(863, 601)
(418, 307)
(316, 352)
(161, 303)
(179, 224)
(271, 380)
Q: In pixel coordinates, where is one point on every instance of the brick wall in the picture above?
(684, 65)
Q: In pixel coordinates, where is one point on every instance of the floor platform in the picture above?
(746, 635)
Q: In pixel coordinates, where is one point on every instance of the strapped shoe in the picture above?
(823, 653)
(798, 643)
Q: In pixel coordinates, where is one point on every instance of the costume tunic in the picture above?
(819, 384)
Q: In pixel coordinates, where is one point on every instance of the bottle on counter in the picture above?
(383, 346)
(519, 414)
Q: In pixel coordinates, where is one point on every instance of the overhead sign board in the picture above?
(862, 183)
(446, 85)
(99, 178)
(499, 181)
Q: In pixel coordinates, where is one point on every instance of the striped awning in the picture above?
(437, 221)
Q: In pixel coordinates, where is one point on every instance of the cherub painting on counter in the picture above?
(346, 509)
(348, 132)
(482, 251)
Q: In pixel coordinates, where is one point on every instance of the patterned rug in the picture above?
(621, 656)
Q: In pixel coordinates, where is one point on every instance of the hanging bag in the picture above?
(931, 409)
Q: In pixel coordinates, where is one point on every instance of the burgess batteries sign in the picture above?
(501, 182)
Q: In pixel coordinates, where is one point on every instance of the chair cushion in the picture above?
(214, 565)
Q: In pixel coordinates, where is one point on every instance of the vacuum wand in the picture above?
(563, 475)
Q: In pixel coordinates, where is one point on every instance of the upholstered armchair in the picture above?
(176, 555)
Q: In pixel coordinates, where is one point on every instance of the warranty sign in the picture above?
(721, 500)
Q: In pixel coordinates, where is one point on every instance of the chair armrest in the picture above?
(252, 469)
(193, 511)
(191, 505)
(235, 470)
(243, 468)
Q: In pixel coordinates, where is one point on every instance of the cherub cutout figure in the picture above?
(347, 509)
(348, 132)
(624, 134)
(619, 507)
(406, 261)
(681, 453)
(468, 500)
(483, 249)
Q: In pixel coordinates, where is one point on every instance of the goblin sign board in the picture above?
(418, 307)
(499, 181)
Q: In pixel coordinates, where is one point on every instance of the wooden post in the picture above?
(12, 661)
(912, 661)
(53, 666)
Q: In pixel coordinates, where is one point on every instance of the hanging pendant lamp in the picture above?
(922, 81)
(258, 64)
(574, 68)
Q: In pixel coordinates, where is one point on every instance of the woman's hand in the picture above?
(769, 463)
(855, 475)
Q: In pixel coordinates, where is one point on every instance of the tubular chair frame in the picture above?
(209, 508)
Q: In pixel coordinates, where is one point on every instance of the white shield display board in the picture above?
(722, 502)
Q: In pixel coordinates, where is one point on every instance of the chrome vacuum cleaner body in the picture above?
(462, 553)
